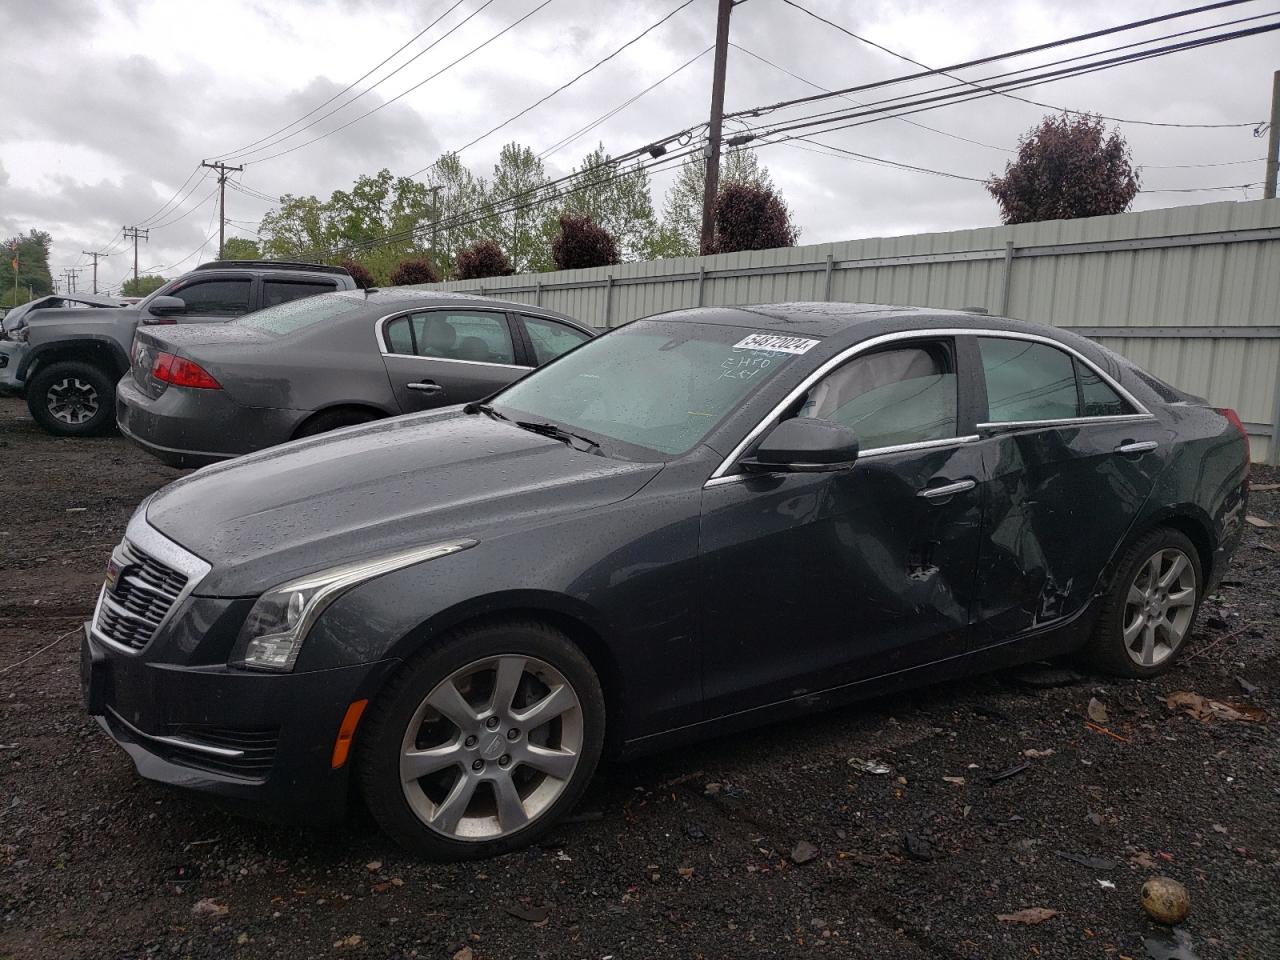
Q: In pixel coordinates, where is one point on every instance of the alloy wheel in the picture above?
(1159, 607)
(72, 401)
(491, 747)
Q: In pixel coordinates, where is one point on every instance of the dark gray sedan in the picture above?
(201, 393)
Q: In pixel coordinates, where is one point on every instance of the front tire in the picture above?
(72, 398)
(1149, 610)
(480, 744)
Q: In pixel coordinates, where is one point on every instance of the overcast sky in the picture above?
(109, 106)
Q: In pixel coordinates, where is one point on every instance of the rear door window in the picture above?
(891, 397)
(282, 291)
(1027, 381)
(473, 335)
(550, 338)
(215, 298)
(1097, 399)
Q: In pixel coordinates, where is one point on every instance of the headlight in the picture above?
(272, 635)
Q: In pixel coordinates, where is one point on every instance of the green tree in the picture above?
(522, 221)
(380, 220)
(460, 201)
(33, 277)
(145, 284)
(240, 248)
(681, 231)
(621, 204)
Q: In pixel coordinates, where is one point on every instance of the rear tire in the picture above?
(72, 398)
(478, 745)
(332, 420)
(1148, 612)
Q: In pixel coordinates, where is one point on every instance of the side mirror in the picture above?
(163, 306)
(805, 445)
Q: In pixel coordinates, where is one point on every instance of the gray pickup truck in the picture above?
(66, 361)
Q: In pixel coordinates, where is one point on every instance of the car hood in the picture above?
(361, 492)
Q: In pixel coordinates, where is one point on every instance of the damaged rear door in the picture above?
(1069, 461)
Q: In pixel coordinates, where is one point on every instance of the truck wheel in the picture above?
(477, 746)
(72, 398)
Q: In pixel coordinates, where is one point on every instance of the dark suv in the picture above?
(67, 362)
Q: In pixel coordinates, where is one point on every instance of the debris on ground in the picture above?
(917, 847)
(466, 953)
(1039, 754)
(209, 907)
(1008, 772)
(1180, 949)
(1202, 708)
(803, 852)
(1031, 915)
(870, 766)
(528, 913)
(1093, 863)
(1097, 710)
(1165, 900)
(1258, 522)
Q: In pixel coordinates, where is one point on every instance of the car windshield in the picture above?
(659, 386)
(294, 315)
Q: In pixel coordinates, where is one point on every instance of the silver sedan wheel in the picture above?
(72, 400)
(1159, 607)
(491, 747)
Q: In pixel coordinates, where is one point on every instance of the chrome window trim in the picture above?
(722, 472)
(999, 425)
(150, 540)
(869, 454)
(381, 340)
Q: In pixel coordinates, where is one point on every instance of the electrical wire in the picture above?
(561, 144)
(816, 86)
(387, 103)
(947, 71)
(564, 86)
(182, 216)
(276, 141)
(944, 96)
(399, 50)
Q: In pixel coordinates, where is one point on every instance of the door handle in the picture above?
(429, 388)
(1138, 446)
(949, 490)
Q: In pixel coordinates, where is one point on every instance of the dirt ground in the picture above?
(690, 854)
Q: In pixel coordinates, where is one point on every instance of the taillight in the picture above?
(182, 372)
(133, 351)
(1233, 418)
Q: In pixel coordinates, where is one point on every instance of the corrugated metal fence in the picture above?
(1190, 293)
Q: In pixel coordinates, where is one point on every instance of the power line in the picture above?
(945, 96)
(816, 86)
(417, 36)
(1196, 166)
(182, 216)
(387, 103)
(564, 86)
(947, 71)
(1233, 186)
(561, 144)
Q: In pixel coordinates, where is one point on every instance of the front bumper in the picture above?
(193, 428)
(260, 740)
(11, 355)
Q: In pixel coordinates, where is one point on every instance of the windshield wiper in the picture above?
(559, 433)
(485, 408)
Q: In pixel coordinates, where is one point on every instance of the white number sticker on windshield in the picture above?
(776, 343)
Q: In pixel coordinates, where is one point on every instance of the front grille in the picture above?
(145, 591)
(258, 749)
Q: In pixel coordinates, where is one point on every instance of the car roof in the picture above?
(828, 319)
(388, 299)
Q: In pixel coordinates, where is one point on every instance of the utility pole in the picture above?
(712, 184)
(223, 170)
(435, 220)
(133, 233)
(1273, 143)
(14, 247)
(71, 273)
(95, 255)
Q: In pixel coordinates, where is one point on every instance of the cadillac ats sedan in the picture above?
(697, 522)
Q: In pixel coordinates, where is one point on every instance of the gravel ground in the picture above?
(766, 844)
